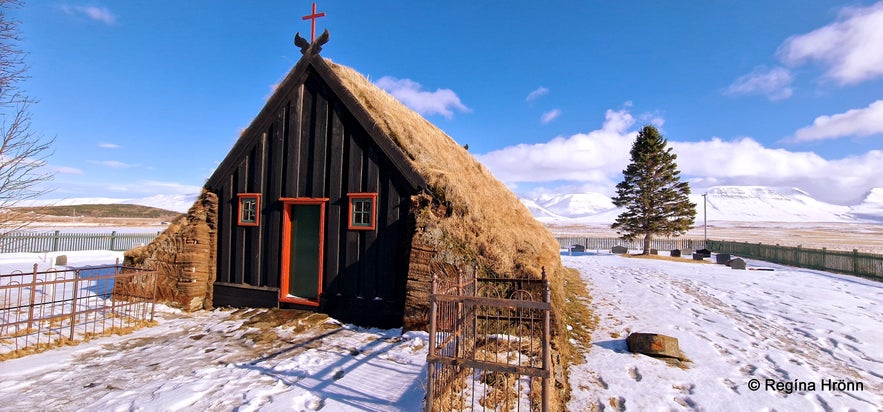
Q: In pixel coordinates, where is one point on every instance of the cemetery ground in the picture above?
(809, 338)
(865, 237)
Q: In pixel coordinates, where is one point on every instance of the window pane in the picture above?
(361, 212)
(248, 210)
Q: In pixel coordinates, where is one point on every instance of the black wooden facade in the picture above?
(311, 147)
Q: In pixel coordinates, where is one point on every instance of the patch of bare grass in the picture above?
(64, 341)
(578, 316)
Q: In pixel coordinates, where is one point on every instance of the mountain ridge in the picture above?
(176, 203)
(724, 203)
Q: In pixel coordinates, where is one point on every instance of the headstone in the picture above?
(737, 263)
(686, 251)
(61, 260)
(698, 256)
(654, 252)
(620, 250)
(722, 258)
(577, 248)
(654, 344)
(704, 252)
(676, 253)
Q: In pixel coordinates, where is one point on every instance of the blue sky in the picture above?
(147, 97)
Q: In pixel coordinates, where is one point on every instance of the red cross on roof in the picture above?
(312, 18)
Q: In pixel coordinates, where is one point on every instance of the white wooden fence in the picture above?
(56, 241)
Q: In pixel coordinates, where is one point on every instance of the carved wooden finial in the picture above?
(314, 47)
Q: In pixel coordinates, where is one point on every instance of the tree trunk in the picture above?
(647, 237)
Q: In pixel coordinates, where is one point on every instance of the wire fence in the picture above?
(56, 241)
(41, 310)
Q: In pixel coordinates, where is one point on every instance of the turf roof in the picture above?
(488, 223)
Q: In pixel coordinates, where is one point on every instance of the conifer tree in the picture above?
(656, 201)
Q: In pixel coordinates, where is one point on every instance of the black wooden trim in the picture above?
(241, 295)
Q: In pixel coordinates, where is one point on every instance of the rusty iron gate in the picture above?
(44, 309)
(489, 344)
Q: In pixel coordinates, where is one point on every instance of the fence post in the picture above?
(33, 301)
(824, 258)
(153, 298)
(113, 235)
(855, 261)
(55, 242)
(74, 303)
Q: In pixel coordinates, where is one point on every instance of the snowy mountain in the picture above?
(725, 203)
(578, 205)
(871, 207)
(761, 203)
(539, 211)
(175, 203)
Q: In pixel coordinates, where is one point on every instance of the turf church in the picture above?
(340, 199)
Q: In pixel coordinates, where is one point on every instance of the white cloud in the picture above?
(152, 187)
(547, 117)
(595, 156)
(101, 14)
(113, 163)
(73, 187)
(536, 94)
(596, 160)
(67, 170)
(850, 47)
(855, 122)
(407, 91)
(773, 83)
(108, 145)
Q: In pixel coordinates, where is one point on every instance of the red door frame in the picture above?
(287, 202)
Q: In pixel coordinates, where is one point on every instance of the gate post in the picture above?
(430, 367)
(547, 355)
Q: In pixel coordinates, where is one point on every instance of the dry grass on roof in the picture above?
(489, 220)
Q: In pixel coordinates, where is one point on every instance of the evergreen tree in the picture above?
(654, 198)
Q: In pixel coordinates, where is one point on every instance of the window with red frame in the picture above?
(249, 209)
(362, 211)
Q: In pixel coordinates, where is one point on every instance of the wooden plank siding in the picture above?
(312, 146)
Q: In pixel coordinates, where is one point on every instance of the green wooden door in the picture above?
(304, 252)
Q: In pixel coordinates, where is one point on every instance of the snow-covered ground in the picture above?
(788, 325)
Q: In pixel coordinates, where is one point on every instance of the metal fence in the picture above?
(867, 265)
(56, 241)
(606, 243)
(40, 310)
(489, 345)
